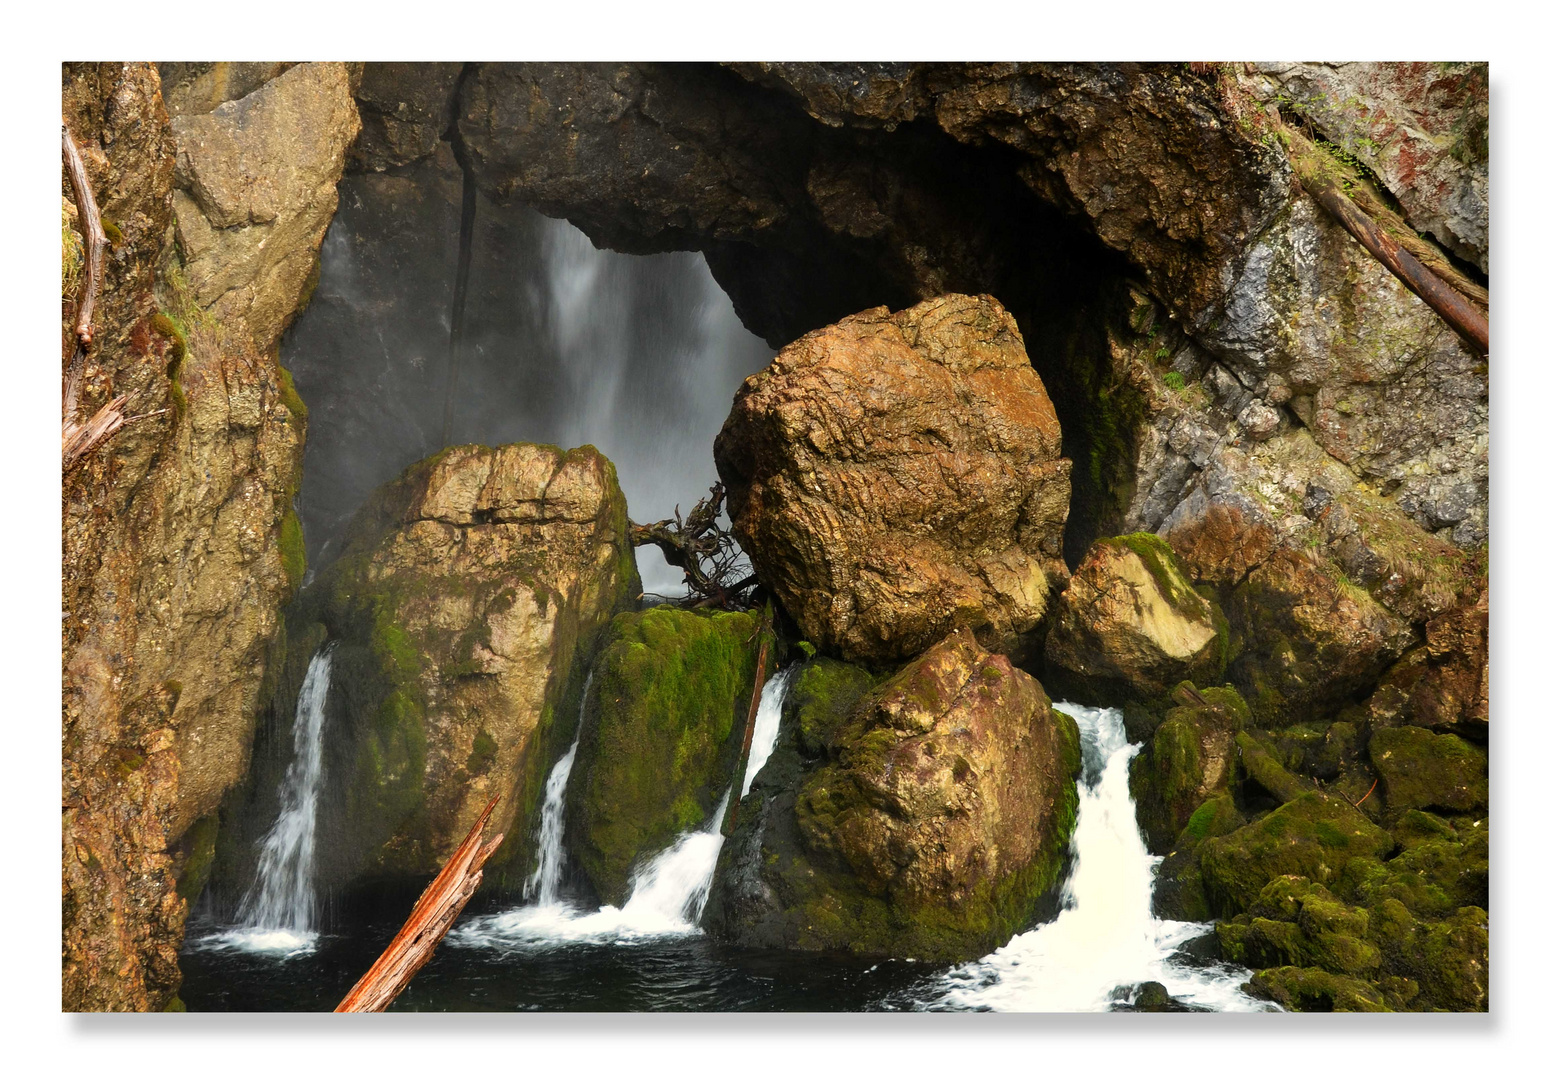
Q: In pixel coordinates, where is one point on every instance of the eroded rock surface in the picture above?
(176, 560)
(257, 188)
(923, 818)
(896, 477)
(1129, 617)
(462, 608)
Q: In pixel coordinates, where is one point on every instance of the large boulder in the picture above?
(1188, 764)
(926, 817)
(1130, 620)
(463, 609)
(663, 728)
(895, 477)
(257, 188)
(1311, 836)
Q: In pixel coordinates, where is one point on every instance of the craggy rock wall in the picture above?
(177, 547)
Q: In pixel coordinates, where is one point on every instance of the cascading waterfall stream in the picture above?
(1107, 936)
(667, 894)
(542, 885)
(277, 913)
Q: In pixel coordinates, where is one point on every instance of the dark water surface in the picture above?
(671, 973)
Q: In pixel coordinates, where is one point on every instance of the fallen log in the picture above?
(432, 916)
(1318, 179)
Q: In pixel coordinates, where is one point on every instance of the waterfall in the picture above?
(667, 893)
(543, 883)
(1107, 935)
(277, 911)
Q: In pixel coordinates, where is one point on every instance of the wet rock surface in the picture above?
(897, 477)
(464, 608)
(926, 817)
(1130, 620)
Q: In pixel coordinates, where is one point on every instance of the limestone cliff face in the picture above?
(463, 610)
(897, 477)
(177, 552)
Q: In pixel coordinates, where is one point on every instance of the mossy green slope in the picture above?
(663, 727)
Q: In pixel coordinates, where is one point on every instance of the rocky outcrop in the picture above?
(257, 187)
(406, 109)
(177, 557)
(1131, 625)
(463, 609)
(1184, 778)
(1421, 128)
(662, 730)
(896, 477)
(925, 818)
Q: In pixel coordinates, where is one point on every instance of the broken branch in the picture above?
(1456, 309)
(91, 224)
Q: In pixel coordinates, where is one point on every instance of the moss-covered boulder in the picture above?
(1132, 623)
(463, 609)
(1298, 923)
(1313, 836)
(924, 817)
(1316, 990)
(1189, 762)
(663, 729)
(1421, 770)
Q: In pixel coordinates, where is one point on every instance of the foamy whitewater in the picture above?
(666, 894)
(278, 910)
(1106, 936)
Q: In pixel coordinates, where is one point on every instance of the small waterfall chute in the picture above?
(1106, 935)
(278, 910)
(542, 886)
(667, 893)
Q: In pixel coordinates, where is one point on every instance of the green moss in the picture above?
(178, 351)
(175, 1005)
(484, 750)
(200, 845)
(1312, 836)
(663, 729)
(290, 544)
(71, 257)
(822, 698)
(1174, 381)
(115, 237)
(1421, 770)
(1316, 990)
(289, 394)
(1259, 763)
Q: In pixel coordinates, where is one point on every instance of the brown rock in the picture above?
(463, 607)
(257, 181)
(405, 109)
(939, 819)
(172, 570)
(1129, 616)
(896, 477)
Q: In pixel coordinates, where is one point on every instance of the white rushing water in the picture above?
(277, 913)
(1106, 935)
(667, 893)
(542, 885)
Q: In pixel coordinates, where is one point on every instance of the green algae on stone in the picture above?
(663, 725)
(1315, 990)
(1188, 763)
(1312, 836)
(1421, 770)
